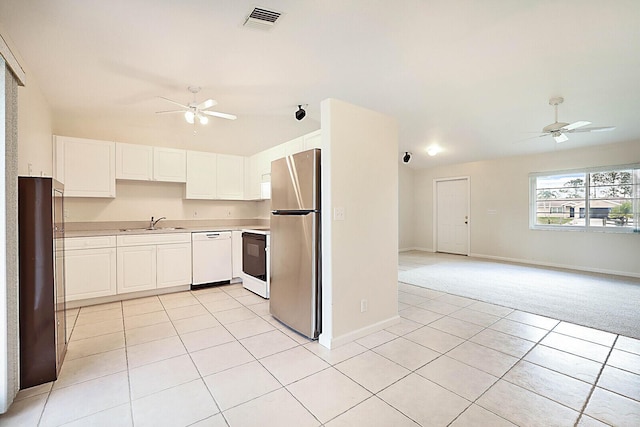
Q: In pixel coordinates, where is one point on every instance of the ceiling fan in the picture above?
(193, 110)
(558, 130)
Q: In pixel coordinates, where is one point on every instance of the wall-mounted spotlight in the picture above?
(300, 114)
(406, 158)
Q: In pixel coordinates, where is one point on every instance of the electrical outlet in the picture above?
(66, 213)
(364, 305)
(338, 214)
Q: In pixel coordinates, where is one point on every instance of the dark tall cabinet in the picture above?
(43, 333)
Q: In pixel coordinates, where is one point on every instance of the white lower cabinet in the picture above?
(174, 265)
(136, 268)
(151, 261)
(90, 267)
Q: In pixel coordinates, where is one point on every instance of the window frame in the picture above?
(533, 200)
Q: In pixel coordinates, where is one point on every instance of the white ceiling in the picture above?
(472, 76)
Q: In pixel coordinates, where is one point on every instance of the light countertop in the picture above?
(122, 229)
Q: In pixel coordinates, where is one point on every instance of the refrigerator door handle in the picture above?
(294, 212)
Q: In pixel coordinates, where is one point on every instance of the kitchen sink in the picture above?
(151, 229)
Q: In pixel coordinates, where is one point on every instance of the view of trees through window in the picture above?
(605, 198)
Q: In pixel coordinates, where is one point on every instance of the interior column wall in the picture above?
(359, 251)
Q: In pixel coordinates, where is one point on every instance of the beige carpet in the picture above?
(608, 303)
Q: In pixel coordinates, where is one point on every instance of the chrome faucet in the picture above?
(152, 223)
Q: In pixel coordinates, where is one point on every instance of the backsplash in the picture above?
(139, 201)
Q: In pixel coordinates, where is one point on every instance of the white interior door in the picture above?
(452, 216)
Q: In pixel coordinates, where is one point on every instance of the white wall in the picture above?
(405, 207)
(140, 200)
(503, 185)
(360, 253)
(35, 144)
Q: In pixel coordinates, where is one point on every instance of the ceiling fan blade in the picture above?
(595, 129)
(206, 104)
(530, 138)
(174, 102)
(576, 125)
(560, 138)
(221, 115)
(170, 111)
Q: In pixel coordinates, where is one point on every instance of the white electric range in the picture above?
(256, 268)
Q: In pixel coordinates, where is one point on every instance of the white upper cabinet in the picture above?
(230, 177)
(253, 176)
(134, 162)
(201, 175)
(313, 140)
(258, 172)
(169, 164)
(85, 166)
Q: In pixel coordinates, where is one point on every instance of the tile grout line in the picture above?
(501, 378)
(194, 364)
(549, 331)
(221, 412)
(51, 389)
(595, 383)
(191, 358)
(126, 353)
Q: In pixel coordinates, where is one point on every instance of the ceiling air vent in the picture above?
(262, 19)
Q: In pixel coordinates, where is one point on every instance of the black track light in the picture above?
(407, 157)
(300, 114)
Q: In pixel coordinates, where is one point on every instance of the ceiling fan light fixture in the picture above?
(203, 119)
(189, 117)
(559, 137)
(433, 150)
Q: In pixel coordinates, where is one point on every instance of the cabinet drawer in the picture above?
(153, 239)
(96, 242)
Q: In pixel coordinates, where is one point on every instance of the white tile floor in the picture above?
(215, 357)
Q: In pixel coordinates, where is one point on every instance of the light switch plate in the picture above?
(338, 214)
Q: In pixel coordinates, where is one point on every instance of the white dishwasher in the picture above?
(211, 253)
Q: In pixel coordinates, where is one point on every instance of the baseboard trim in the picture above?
(554, 265)
(333, 342)
(415, 248)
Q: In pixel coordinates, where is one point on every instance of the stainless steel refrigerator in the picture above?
(295, 242)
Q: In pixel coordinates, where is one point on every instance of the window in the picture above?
(606, 199)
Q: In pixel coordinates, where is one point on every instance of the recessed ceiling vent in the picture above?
(262, 19)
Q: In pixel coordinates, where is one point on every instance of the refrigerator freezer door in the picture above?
(295, 299)
(295, 182)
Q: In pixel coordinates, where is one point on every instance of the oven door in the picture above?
(254, 256)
